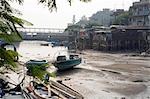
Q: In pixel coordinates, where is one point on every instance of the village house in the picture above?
(121, 39)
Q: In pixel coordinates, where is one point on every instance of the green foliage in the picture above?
(10, 38)
(51, 4)
(122, 19)
(7, 58)
(8, 32)
(39, 71)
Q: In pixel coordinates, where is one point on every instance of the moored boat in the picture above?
(36, 62)
(62, 63)
(41, 91)
(12, 93)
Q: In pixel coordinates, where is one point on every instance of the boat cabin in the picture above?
(73, 56)
(61, 58)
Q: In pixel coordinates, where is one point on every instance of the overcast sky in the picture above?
(40, 16)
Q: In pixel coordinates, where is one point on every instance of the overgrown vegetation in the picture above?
(122, 19)
(9, 33)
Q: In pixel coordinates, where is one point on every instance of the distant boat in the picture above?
(44, 44)
(55, 44)
(62, 63)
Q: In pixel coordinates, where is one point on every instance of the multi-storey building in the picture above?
(103, 17)
(140, 13)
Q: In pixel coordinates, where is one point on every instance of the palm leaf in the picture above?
(39, 71)
(10, 38)
(21, 22)
(7, 58)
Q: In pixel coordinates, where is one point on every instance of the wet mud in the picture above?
(110, 76)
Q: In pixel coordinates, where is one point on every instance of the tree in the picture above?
(8, 32)
(122, 19)
(51, 4)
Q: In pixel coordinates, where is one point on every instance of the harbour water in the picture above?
(34, 50)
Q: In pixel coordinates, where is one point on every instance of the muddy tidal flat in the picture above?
(110, 76)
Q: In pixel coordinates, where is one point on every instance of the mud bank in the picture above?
(110, 76)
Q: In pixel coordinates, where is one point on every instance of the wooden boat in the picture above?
(13, 93)
(62, 63)
(43, 64)
(44, 44)
(58, 90)
(41, 91)
(64, 90)
(36, 62)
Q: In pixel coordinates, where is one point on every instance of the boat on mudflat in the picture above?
(38, 91)
(36, 62)
(63, 64)
(42, 64)
(42, 91)
(6, 92)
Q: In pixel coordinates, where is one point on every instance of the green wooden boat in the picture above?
(63, 64)
(37, 62)
(42, 64)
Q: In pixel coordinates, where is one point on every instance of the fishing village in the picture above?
(104, 56)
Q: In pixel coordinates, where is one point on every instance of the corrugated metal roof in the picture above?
(103, 31)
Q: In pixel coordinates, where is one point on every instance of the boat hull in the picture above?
(67, 64)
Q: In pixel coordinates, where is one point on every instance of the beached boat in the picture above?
(42, 64)
(12, 93)
(41, 91)
(62, 63)
(36, 62)
(44, 44)
(54, 90)
(16, 93)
